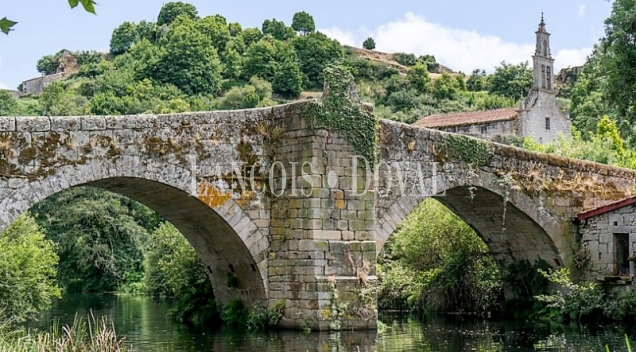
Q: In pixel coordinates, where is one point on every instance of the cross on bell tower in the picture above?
(543, 63)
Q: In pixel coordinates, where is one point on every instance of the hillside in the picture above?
(189, 62)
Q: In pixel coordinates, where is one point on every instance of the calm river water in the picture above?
(143, 322)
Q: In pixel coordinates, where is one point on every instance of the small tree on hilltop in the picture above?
(303, 23)
(369, 44)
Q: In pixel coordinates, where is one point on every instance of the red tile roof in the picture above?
(467, 118)
(606, 209)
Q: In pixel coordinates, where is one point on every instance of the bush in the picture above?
(576, 302)
(28, 266)
(405, 59)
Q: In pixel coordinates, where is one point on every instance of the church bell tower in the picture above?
(543, 61)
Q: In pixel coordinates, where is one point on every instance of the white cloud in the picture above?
(571, 57)
(460, 49)
(582, 9)
(344, 37)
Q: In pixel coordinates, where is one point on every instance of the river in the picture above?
(142, 320)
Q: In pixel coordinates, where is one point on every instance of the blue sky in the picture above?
(462, 34)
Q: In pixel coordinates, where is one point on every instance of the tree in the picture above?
(216, 29)
(189, 59)
(315, 52)
(8, 104)
(303, 23)
(170, 11)
(27, 271)
(48, 64)
(512, 81)
(369, 44)
(617, 57)
(477, 81)
(6, 25)
(277, 29)
(123, 38)
(445, 86)
(288, 80)
(251, 36)
(260, 59)
(419, 77)
(100, 237)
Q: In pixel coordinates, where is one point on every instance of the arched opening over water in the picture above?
(511, 233)
(222, 248)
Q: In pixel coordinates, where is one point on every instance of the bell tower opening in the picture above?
(543, 63)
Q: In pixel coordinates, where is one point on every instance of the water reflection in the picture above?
(143, 321)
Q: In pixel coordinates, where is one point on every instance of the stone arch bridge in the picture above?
(292, 210)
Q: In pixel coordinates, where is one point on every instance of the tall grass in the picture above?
(85, 335)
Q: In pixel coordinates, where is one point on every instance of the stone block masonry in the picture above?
(281, 206)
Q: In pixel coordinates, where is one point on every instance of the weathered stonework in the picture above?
(309, 238)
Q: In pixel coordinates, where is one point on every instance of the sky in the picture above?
(462, 34)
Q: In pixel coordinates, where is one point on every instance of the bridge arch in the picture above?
(511, 223)
(222, 233)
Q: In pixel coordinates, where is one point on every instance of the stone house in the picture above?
(67, 65)
(537, 116)
(609, 234)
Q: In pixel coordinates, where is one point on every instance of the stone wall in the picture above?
(37, 85)
(533, 120)
(495, 131)
(522, 203)
(181, 165)
(599, 235)
(323, 248)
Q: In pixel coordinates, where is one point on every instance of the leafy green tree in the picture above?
(48, 64)
(232, 66)
(235, 29)
(419, 77)
(277, 29)
(147, 30)
(607, 130)
(435, 261)
(100, 237)
(57, 101)
(262, 87)
(478, 81)
(617, 56)
(288, 80)
(315, 52)
(445, 86)
(251, 36)
(27, 271)
(189, 60)
(303, 23)
(369, 44)
(123, 38)
(216, 29)
(170, 11)
(173, 269)
(461, 83)
(260, 59)
(512, 81)
(107, 104)
(405, 59)
(8, 105)
(429, 61)
(240, 98)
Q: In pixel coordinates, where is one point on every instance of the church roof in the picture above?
(467, 118)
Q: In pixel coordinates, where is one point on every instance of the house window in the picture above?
(621, 246)
(484, 130)
(547, 123)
